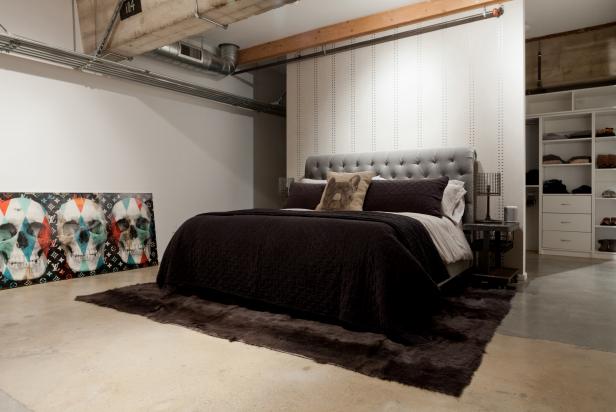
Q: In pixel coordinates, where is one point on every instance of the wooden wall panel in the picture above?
(574, 58)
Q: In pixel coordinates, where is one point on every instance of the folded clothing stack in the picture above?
(605, 132)
(552, 159)
(554, 186)
(582, 190)
(578, 134)
(580, 159)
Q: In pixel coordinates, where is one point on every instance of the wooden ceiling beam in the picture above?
(413, 13)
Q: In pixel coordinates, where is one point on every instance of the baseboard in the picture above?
(565, 253)
(604, 255)
(591, 255)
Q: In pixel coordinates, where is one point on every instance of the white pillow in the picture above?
(324, 182)
(453, 200)
(313, 181)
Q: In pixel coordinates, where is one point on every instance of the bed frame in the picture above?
(454, 162)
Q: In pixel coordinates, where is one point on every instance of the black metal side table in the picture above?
(490, 241)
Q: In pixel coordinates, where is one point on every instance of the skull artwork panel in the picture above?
(82, 231)
(131, 230)
(25, 237)
(47, 237)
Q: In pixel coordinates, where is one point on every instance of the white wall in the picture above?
(66, 131)
(459, 86)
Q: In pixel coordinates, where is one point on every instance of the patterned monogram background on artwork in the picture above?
(47, 237)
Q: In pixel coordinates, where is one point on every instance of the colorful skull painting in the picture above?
(82, 231)
(25, 237)
(48, 237)
(132, 230)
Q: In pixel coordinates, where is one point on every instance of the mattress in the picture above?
(448, 238)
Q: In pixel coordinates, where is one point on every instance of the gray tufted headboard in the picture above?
(455, 162)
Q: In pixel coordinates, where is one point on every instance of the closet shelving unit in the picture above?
(570, 224)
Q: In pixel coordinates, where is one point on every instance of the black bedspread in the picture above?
(370, 270)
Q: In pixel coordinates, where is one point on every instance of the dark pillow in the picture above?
(304, 195)
(412, 195)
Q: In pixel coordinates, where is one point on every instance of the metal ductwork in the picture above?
(19, 46)
(134, 27)
(224, 62)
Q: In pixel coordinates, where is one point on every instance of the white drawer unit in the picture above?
(573, 241)
(567, 222)
(567, 204)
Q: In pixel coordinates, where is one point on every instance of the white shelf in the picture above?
(594, 98)
(567, 194)
(571, 101)
(606, 198)
(583, 139)
(576, 110)
(570, 165)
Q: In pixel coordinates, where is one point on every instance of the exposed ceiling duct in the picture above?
(19, 46)
(224, 62)
(145, 25)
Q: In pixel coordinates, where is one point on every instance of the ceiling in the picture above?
(542, 17)
(545, 17)
(297, 17)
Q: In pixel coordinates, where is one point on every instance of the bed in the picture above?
(373, 271)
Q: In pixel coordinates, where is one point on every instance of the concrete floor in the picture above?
(554, 352)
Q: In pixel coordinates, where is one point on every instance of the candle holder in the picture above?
(488, 184)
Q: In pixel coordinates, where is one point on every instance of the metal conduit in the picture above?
(497, 12)
(19, 46)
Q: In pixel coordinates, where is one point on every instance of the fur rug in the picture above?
(441, 356)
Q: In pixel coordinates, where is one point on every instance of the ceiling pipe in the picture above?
(207, 19)
(109, 29)
(224, 62)
(23, 47)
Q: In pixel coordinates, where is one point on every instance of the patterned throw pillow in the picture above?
(345, 191)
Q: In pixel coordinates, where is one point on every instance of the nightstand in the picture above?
(490, 241)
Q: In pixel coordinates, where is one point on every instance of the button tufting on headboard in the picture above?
(456, 162)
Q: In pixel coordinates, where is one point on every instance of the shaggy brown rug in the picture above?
(441, 356)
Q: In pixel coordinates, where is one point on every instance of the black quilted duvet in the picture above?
(369, 270)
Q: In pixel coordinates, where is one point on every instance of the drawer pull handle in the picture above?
(565, 222)
(565, 204)
(565, 240)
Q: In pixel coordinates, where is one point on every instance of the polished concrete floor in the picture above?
(555, 351)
